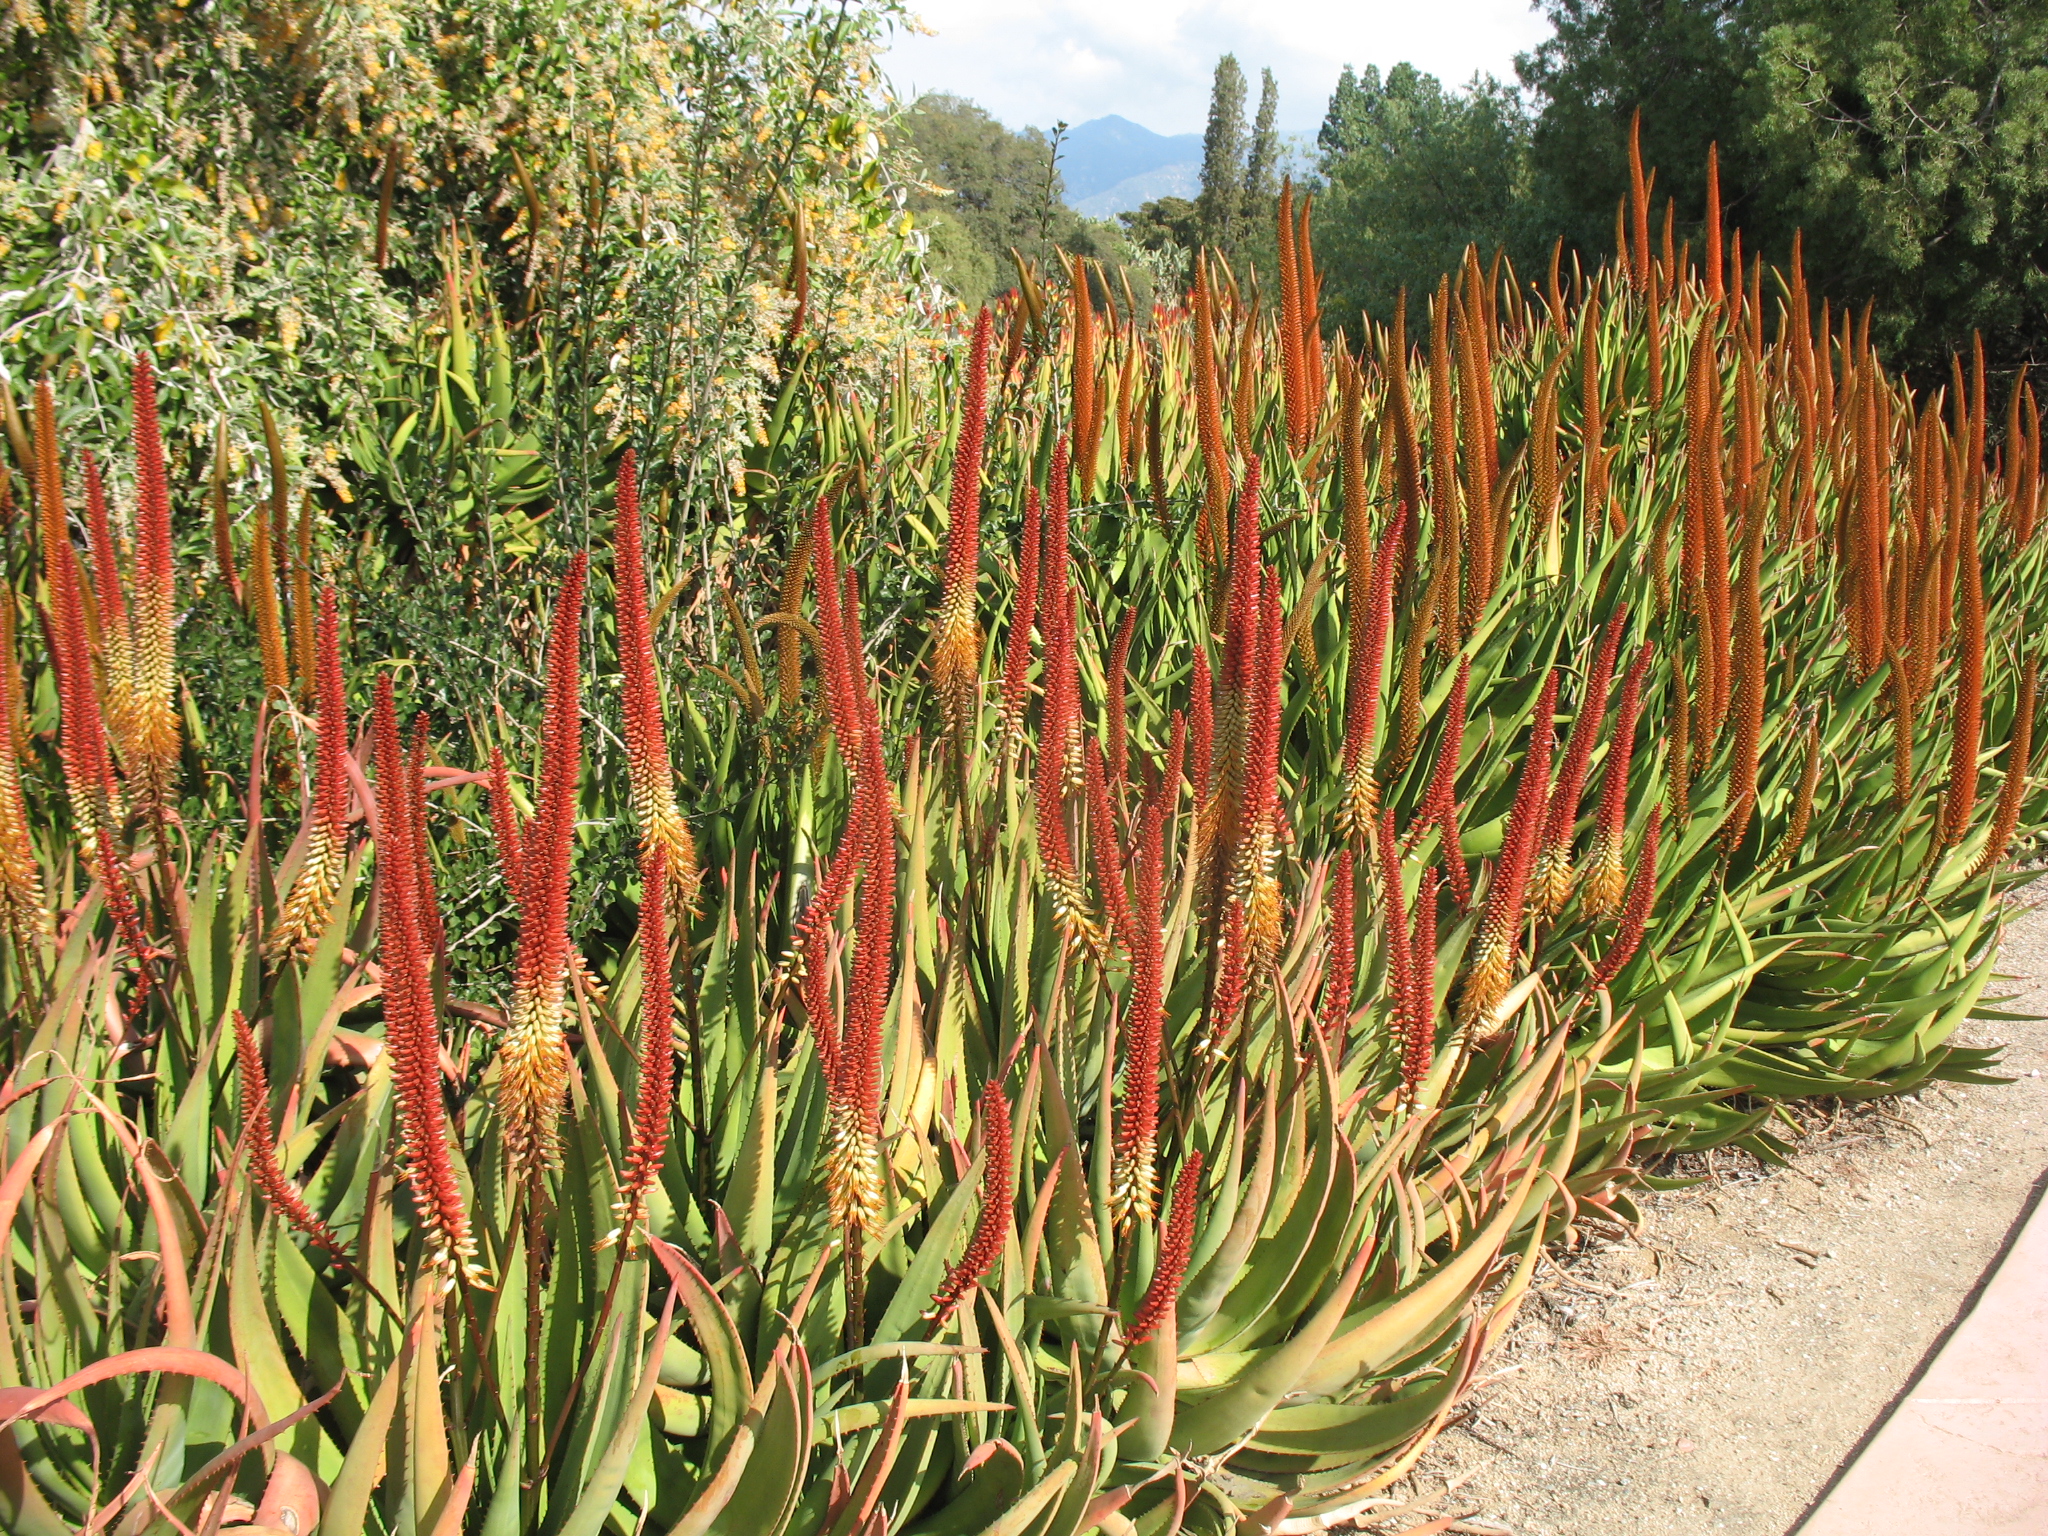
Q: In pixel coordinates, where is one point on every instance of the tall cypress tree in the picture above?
(1262, 166)
(1223, 158)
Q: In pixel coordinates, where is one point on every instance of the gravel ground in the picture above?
(1711, 1372)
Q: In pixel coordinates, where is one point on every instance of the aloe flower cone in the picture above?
(533, 1063)
(411, 1019)
(313, 893)
(1500, 931)
(956, 640)
(652, 777)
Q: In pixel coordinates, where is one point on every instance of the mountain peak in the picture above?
(1104, 151)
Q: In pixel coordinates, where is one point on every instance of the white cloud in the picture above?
(1037, 61)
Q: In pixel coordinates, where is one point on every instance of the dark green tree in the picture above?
(1262, 164)
(1223, 158)
(1414, 174)
(1907, 138)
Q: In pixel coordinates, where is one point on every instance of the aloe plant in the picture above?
(1115, 1011)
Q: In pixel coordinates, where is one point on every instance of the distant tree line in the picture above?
(1908, 139)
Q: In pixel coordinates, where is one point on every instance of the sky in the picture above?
(1038, 61)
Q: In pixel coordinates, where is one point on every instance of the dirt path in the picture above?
(1712, 1376)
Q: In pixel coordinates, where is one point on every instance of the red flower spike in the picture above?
(1105, 846)
(1418, 1037)
(1440, 799)
(998, 1196)
(283, 1195)
(1500, 932)
(1240, 608)
(1134, 1184)
(428, 906)
(655, 1097)
(956, 647)
(1642, 895)
(1228, 998)
(1202, 727)
(155, 727)
(650, 774)
(1394, 923)
(533, 1055)
(1017, 647)
(109, 601)
(1176, 1247)
(1340, 965)
(411, 1025)
(1601, 889)
(1168, 788)
(313, 894)
(1553, 874)
(1253, 883)
(505, 826)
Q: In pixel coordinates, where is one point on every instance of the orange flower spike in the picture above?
(1716, 288)
(1368, 664)
(533, 1054)
(650, 775)
(23, 911)
(1601, 889)
(117, 648)
(1023, 612)
(1638, 209)
(1749, 682)
(655, 1093)
(992, 1222)
(1968, 719)
(313, 894)
(1086, 425)
(1635, 917)
(82, 729)
(261, 1137)
(1407, 455)
(411, 1027)
(1553, 874)
(1443, 462)
(154, 657)
(956, 643)
(1212, 539)
(1115, 686)
(1500, 932)
(1134, 1184)
(1176, 1247)
(2012, 793)
(1592, 414)
(1293, 382)
(1310, 289)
